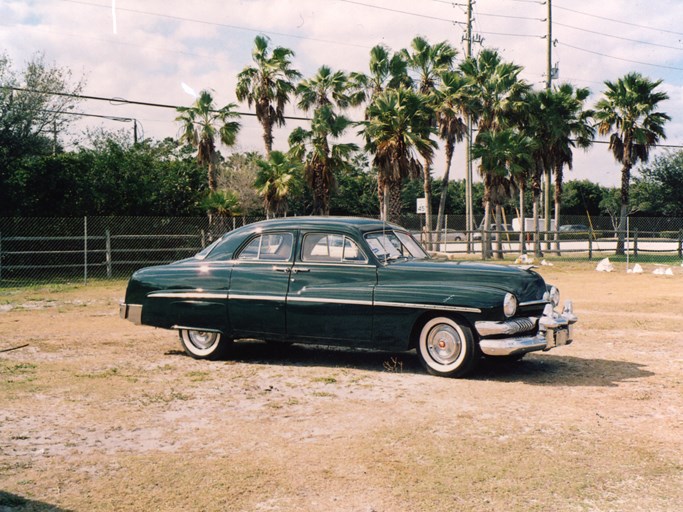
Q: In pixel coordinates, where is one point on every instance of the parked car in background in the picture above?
(495, 229)
(574, 228)
(349, 282)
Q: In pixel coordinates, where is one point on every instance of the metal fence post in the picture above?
(85, 250)
(107, 242)
(0, 254)
(680, 243)
(590, 245)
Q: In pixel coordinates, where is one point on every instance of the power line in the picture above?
(216, 24)
(114, 101)
(619, 58)
(509, 16)
(619, 37)
(509, 34)
(402, 12)
(619, 21)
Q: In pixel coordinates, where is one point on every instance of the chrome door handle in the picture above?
(286, 270)
(297, 270)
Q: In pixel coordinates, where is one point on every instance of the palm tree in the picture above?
(558, 119)
(276, 179)
(453, 105)
(221, 203)
(268, 85)
(499, 100)
(628, 114)
(320, 159)
(572, 128)
(322, 93)
(387, 71)
(397, 131)
(428, 62)
(507, 155)
(201, 123)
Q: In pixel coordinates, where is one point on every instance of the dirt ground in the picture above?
(97, 414)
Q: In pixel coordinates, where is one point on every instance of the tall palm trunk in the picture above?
(558, 204)
(450, 144)
(536, 191)
(499, 235)
(394, 200)
(621, 230)
(428, 201)
(268, 136)
(522, 219)
(211, 175)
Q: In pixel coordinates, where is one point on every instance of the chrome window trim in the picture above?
(340, 262)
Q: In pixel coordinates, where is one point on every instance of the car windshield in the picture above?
(394, 245)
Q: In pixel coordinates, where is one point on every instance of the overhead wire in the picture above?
(217, 24)
(605, 18)
(115, 100)
(619, 58)
(617, 37)
(382, 8)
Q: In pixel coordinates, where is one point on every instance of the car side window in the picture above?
(268, 247)
(331, 248)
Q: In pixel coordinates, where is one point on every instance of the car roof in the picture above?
(344, 223)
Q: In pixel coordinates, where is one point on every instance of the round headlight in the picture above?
(554, 296)
(509, 305)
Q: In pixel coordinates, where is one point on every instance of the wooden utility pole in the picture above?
(469, 218)
(548, 85)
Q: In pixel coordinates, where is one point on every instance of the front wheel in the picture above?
(447, 348)
(203, 344)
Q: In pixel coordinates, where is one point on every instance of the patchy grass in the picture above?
(98, 414)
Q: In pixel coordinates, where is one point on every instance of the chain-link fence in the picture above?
(36, 250)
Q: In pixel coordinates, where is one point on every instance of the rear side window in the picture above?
(329, 247)
(268, 247)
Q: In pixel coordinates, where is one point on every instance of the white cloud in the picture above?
(158, 46)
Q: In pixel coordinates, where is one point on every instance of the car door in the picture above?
(331, 291)
(259, 283)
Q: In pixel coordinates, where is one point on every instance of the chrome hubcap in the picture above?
(444, 344)
(202, 339)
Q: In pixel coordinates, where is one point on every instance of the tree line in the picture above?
(410, 100)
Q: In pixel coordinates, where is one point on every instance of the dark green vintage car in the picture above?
(348, 282)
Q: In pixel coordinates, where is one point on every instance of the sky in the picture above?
(146, 50)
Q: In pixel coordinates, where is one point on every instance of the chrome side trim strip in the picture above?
(330, 301)
(188, 295)
(438, 307)
(534, 302)
(257, 297)
(294, 298)
(202, 329)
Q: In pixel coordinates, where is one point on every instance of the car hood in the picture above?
(526, 284)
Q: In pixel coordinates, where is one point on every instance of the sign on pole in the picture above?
(421, 206)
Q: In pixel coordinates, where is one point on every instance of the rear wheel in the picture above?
(203, 344)
(447, 348)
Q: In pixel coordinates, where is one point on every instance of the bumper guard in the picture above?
(554, 330)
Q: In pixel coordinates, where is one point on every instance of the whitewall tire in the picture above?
(203, 344)
(447, 348)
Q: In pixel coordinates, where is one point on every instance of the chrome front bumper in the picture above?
(132, 312)
(554, 329)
